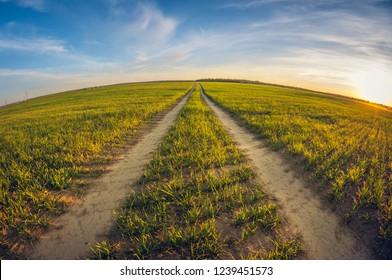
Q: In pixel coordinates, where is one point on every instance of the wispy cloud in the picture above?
(249, 4)
(33, 45)
(26, 73)
(166, 58)
(33, 4)
(320, 44)
(343, 33)
(38, 5)
(150, 27)
(243, 5)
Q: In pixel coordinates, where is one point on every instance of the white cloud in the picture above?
(38, 5)
(150, 28)
(299, 45)
(303, 4)
(251, 4)
(342, 32)
(33, 45)
(33, 4)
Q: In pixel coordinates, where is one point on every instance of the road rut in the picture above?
(89, 220)
(323, 233)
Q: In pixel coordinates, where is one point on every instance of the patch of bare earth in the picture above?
(324, 235)
(91, 217)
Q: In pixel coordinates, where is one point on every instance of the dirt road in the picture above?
(324, 234)
(91, 218)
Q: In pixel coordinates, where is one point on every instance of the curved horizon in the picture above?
(336, 46)
(26, 97)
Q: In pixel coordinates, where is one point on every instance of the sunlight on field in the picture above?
(374, 85)
(342, 142)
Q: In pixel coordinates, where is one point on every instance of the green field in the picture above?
(198, 199)
(49, 144)
(343, 143)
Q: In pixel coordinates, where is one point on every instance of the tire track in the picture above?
(323, 233)
(89, 220)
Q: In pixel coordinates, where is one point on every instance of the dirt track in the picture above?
(323, 233)
(90, 219)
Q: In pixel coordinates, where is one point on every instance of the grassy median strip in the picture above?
(198, 199)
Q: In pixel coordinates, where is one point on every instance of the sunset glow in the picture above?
(374, 85)
(49, 46)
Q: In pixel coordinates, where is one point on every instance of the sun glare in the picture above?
(374, 85)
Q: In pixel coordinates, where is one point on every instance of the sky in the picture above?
(338, 46)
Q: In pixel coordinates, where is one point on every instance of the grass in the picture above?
(343, 143)
(198, 199)
(49, 144)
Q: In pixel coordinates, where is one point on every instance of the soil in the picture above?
(89, 220)
(324, 234)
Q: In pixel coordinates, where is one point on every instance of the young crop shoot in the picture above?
(198, 199)
(344, 144)
(50, 145)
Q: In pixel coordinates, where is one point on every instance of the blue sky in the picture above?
(333, 45)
